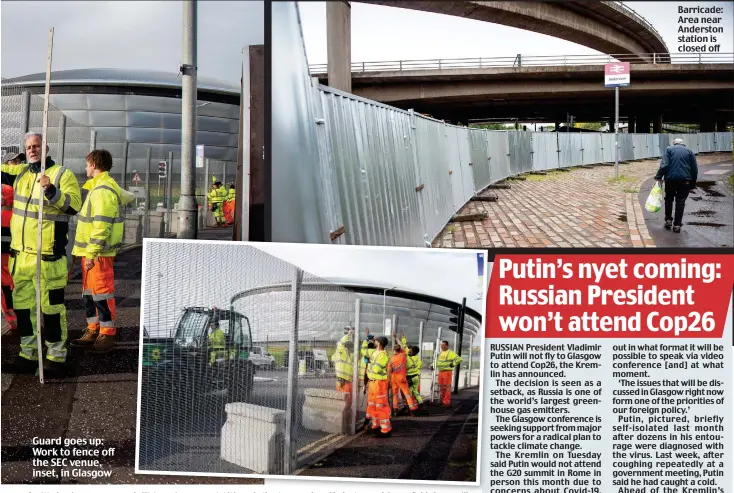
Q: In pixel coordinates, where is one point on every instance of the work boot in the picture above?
(676, 229)
(22, 365)
(385, 435)
(52, 367)
(87, 339)
(668, 223)
(103, 343)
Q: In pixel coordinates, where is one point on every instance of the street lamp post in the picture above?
(384, 293)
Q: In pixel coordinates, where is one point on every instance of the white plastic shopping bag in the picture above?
(655, 200)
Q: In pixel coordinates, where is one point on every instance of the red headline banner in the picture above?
(603, 296)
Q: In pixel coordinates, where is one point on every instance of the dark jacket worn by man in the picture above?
(679, 170)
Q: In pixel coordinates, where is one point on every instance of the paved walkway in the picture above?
(438, 447)
(583, 207)
(708, 219)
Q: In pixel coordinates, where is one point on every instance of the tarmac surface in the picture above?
(708, 219)
(441, 446)
(94, 398)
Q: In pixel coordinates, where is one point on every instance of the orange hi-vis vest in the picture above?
(398, 364)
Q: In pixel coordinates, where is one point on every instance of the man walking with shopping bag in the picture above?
(679, 170)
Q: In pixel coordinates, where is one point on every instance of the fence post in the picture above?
(471, 355)
(146, 218)
(92, 140)
(459, 342)
(355, 366)
(435, 359)
(206, 192)
(224, 174)
(62, 139)
(125, 151)
(420, 339)
(169, 192)
(394, 327)
(25, 117)
(290, 450)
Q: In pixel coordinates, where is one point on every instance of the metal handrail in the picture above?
(529, 61)
(640, 18)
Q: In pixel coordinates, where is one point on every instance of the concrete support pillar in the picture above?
(657, 124)
(707, 122)
(339, 44)
(630, 124)
(642, 126)
(558, 125)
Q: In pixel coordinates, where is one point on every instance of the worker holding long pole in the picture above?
(38, 247)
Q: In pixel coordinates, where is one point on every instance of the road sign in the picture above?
(388, 327)
(139, 192)
(427, 346)
(200, 156)
(617, 74)
(136, 178)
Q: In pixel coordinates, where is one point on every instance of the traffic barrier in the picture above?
(326, 410)
(253, 437)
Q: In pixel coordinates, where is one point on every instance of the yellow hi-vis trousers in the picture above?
(53, 281)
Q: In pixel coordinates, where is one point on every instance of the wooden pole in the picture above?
(39, 244)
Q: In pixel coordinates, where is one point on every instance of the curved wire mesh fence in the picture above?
(240, 368)
(135, 164)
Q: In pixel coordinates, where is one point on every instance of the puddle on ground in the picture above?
(706, 187)
(710, 225)
(703, 213)
(622, 217)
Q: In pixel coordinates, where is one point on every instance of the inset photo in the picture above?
(268, 359)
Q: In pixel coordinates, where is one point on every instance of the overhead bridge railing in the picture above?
(531, 61)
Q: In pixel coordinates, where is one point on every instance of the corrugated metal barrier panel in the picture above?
(453, 163)
(479, 161)
(545, 147)
(591, 145)
(639, 144)
(706, 142)
(567, 156)
(653, 149)
(521, 147)
(626, 152)
(436, 196)
(464, 142)
(499, 162)
(608, 151)
(724, 141)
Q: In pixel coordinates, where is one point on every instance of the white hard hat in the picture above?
(678, 141)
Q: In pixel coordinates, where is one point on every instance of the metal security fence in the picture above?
(149, 170)
(69, 143)
(392, 177)
(241, 358)
(386, 176)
